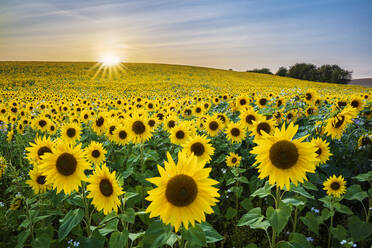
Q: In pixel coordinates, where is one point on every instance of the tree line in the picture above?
(307, 71)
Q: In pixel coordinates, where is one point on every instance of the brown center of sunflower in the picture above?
(355, 103)
(289, 116)
(222, 118)
(283, 154)
(235, 132)
(180, 134)
(279, 103)
(43, 150)
(310, 111)
(181, 190)
(95, 153)
(249, 119)
(335, 185)
(233, 160)
(198, 110)
(42, 123)
(213, 125)
(40, 180)
(66, 164)
(106, 188)
(138, 127)
(263, 126)
(111, 130)
(308, 96)
(263, 101)
(151, 123)
(86, 116)
(100, 121)
(171, 124)
(71, 132)
(243, 102)
(197, 148)
(122, 134)
(339, 122)
(150, 105)
(319, 152)
(365, 141)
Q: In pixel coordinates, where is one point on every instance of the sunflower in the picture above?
(99, 124)
(200, 147)
(262, 126)
(95, 153)
(213, 125)
(184, 193)
(104, 189)
(16, 203)
(323, 152)
(121, 135)
(357, 102)
(283, 159)
(198, 110)
(224, 119)
(235, 132)
(310, 96)
(247, 117)
(241, 102)
(39, 148)
(364, 141)
(139, 131)
(262, 102)
(233, 160)
(170, 122)
(64, 167)
(311, 110)
(70, 132)
(335, 186)
(336, 126)
(180, 134)
(37, 181)
(40, 124)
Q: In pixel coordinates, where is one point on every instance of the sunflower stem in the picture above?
(237, 193)
(277, 199)
(142, 172)
(331, 225)
(86, 209)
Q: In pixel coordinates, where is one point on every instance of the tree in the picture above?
(304, 71)
(282, 71)
(334, 74)
(263, 70)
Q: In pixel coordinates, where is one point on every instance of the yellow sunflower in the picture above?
(95, 153)
(104, 189)
(357, 102)
(64, 167)
(121, 135)
(213, 125)
(139, 131)
(283, 159)
(233, 160)
(70, 132)
(180, 134)
(39, 148)
(200, 147)
(235, 132)
(335, 186)
(184, 193)
(364, 141)
(323, 152)
(262, 126)
(247, 117)
(37, 181)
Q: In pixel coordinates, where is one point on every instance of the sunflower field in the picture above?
(151, 155)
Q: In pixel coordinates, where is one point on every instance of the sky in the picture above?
(232, 34)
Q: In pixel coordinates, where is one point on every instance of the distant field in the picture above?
(367, 82)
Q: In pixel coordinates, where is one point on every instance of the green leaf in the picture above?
(22, 237)
(119, 239)
(299, 240)
(355, 192)
(326, 214)
(42, 241)
(134, 236)
(195, 236)
(364, 177)
(71, 219)
(309, 186)
(110, 227)
(279, 217)
(243, 180)
(293, 201)
(150, 155)
(342, 208)
(358, 229)
(91, 242)
(339, 232)
(298, 189)
(156, 234)
(128, 216)
(254, 215)
(311, 221)
(211, 234)
(246, 203)
(230, 213)
(263, 191)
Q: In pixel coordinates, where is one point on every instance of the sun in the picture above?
(110, 60)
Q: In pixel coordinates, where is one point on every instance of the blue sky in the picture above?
(223, 34)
